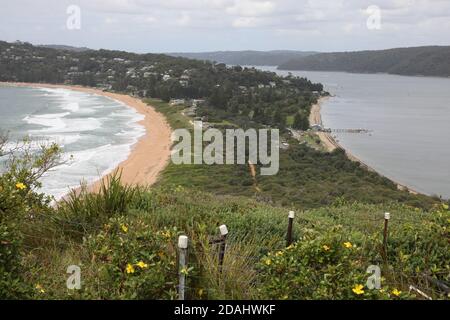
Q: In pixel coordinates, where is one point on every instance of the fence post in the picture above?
(223, 233)
(182, 246)
(291, 217)
(387, 216)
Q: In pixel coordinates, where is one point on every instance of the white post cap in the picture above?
(291, 215)
(387, 216)
(223, 230)
(182, 242)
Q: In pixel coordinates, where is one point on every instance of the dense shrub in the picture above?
(19, 203)
(321, 266)
(134, 261)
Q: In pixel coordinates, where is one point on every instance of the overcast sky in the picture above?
(209, 25)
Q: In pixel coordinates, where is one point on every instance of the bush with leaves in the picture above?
(328, 265)
(21, 169)
(134, 261)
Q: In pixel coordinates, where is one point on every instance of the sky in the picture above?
(212, 25)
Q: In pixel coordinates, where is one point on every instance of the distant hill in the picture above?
(67, 48)
(425, 61)
(256, 58)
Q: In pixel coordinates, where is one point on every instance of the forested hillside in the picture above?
(424, 61)
(237, 91)
(243, 58)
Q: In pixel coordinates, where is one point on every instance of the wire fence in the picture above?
(425, 285)
(222, 265)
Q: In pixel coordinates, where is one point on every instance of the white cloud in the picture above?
(337, 24)
(251, 8)
(245, 22)
(184, 20)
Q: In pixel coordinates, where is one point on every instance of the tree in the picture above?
(300, 122)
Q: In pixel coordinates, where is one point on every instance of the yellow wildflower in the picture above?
(184, 271)
(358, 289)
(200, 292)
(279, 254)
(326, 248)
(129, 269)
(348, 245)
(268, 262)
(445, 206)
(166, 234)
(20, 186)
(396, 292)
(124, 228)
(40, 288)
(142, 265)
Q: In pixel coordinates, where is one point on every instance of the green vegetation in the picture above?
(308, 178)
(126, 248)
(124, 237)
(246, 96)
(425, 61)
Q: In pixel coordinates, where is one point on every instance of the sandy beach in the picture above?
(150, 155)
(315, 118)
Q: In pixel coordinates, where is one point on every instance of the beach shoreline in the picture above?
(330, 143)
(148, 156)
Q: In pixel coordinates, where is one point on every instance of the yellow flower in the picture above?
(200, 292)
(279, 254)
(166, 234)
(142, 265)
(396, 292)
(326, 248)
(20, 186)
(348, 245)
(40, 288)
(358, 289)
(130, 268)
(445, 206)
(184, 271)
(124, 228)
(268, 262)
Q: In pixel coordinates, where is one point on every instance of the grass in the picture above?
(256, 229)
(335, 201)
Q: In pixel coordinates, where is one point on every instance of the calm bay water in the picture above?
(410, 119)
(97, 132)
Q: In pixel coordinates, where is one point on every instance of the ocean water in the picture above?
(96, 133)
(409, 118)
